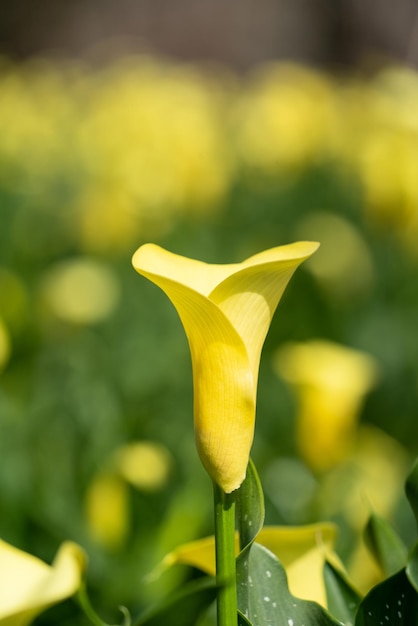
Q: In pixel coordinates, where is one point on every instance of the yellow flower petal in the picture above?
(301, 550)
(226, 311)
(28, 586)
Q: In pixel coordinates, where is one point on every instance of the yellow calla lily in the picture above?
(302, 550)
(28, 586)
(226, 311)
(332, 381)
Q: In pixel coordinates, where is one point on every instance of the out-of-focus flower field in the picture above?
(96, 436)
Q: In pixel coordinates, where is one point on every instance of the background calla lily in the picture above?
(28, 586)
(301, 549)
(226, 311)
(331, 381)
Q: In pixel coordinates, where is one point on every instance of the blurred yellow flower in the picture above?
(107, 510)
(28, 586)
(344, 264)
(143, 464)
(371, 479)
(153, 146)
(285, 118)
(81, 290)
(378, 138)
(331, 381)
(302, 550)
(226, 312)
(5, 346)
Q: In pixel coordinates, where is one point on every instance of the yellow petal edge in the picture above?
(28, 586)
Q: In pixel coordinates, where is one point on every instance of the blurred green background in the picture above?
(96, 436)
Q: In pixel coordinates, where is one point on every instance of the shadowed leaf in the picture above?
(385, 545)
(412, 568)
(342, 598)
(394, 602)
(411, 489)
(182, 608)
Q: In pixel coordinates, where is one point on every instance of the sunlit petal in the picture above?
(226, 311)
(28, 586)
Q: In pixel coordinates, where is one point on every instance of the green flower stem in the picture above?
(84, 602)
(225, 557)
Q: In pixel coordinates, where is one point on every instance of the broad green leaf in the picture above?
(250, 507)
(342, 598)
(411, 489)
(182, 608)
(385, 545)
(393, 602)
(263, 594)
(412, 567)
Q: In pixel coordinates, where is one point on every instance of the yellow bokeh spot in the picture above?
(143, 464)
(285, 117)
(107, 510)
(5, 345)
(343, 263)
(81, 290)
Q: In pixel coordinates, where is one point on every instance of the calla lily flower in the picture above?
(226, 311)
(331, 381)
(28, 586)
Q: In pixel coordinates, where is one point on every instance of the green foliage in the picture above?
(385, 545)
(411, 489)
(183, 607)
(412, 568)
(263, 594)
(342, 598)
(394, 601)
(250, 507)
(264, 598)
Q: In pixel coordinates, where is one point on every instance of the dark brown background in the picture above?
(332, 33)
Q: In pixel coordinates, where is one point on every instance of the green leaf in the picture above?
(412, 567)
(385, 545)
(342, 598)
(243, 621)
(393, 602)
(250, 519)
(264, 597)
(250, 507)
(411, 489)
(182, 608)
